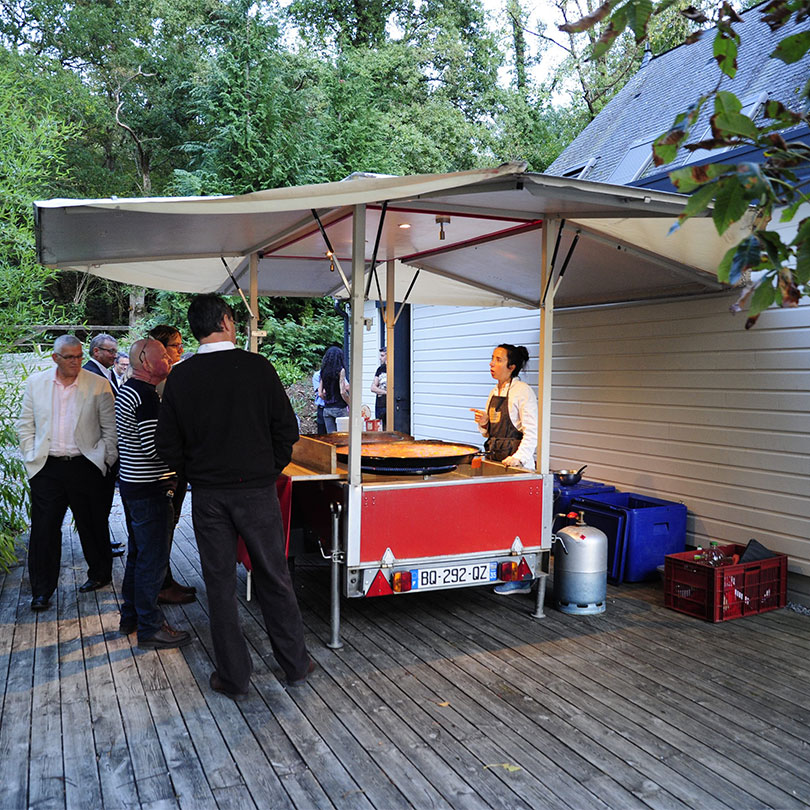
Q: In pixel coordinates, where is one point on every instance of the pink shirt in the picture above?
(63, 421)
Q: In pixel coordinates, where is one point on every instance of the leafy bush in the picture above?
(289, 372)
(302, 344)
(13, 477)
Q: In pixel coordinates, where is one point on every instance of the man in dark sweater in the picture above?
(226, 422)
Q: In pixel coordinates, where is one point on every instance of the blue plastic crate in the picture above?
(564, 496)
(653, 528)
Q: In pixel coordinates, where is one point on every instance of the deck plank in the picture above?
(15, 722)
(698, 755)
(454, 699)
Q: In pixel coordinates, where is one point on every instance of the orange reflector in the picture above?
(508, 571)
(380, 586)
(401, 581)
(524, 572)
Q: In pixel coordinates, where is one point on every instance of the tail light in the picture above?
(514, 572)
(401, 581)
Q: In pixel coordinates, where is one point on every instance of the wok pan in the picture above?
(423, 455)
(568, 478)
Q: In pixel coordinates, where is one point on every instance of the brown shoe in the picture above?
(218, 685)
(185, 588)
(166, 638)
(303, 681)
(173, 595)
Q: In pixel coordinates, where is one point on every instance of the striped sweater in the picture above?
(142, 473)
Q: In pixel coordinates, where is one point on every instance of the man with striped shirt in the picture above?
(147, 487)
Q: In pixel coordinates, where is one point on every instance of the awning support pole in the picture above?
(390, 307)
(544, 371)
(254, 302)
(354, 492)
(544, 409)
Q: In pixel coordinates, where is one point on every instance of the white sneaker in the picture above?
(507, 588)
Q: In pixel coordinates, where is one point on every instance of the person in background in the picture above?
(67, 439)
(121, 368)
(147, 486)
(319, 402)
(379, 386)
(172, 592)
(510, 422)
(227, 423)
(333, 388)
(103, 351)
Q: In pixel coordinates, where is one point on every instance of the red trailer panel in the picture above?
(435, 521)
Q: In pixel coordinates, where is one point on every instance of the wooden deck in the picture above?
(444, 700)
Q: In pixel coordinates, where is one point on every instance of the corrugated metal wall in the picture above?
(451, 349)
(674, 399)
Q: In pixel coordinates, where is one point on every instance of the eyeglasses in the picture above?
(69, 356)
(107, 349)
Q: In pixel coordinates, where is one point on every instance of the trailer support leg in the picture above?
(541, 596)
(334, 640)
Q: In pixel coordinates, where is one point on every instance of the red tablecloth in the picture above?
(284, 490)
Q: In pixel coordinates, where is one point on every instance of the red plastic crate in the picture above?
(727, 592)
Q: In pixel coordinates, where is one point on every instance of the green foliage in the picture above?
(13, 477)
(782, 270)
(297, 347)
(32, 150)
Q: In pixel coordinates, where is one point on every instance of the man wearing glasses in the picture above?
(103, 353)
(68, 441)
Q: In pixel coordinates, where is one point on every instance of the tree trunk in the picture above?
(137, 299)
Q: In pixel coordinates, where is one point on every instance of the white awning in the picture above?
(491, 222)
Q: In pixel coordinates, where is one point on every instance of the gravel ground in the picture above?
(303, 403)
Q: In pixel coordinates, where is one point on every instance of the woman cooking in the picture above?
(510, 422)
(510, 419)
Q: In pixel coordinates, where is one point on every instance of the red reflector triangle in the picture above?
(524, 572)
(380, 586)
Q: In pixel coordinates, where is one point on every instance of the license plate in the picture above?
(449, 576)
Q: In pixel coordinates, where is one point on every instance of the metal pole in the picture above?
(544, 409)
(337, 558)
(390, 309)
(254, 302)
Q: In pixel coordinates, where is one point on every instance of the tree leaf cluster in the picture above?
(781, 271)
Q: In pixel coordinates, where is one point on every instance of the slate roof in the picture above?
(647, 105)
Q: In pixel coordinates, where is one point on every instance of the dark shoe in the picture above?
(303, 681)
(218, 685)
(174, 595)
(127, 626)
(40, 603)
(185, 588)
(116, 545)
(166, 638)
(93, 585)
(117, 551)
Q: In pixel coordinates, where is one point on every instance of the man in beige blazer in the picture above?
(68, 441)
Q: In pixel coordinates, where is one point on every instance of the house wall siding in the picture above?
(675, 400)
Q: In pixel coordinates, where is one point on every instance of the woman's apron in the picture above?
(504, 438)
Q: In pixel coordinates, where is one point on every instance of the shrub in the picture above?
(14, 489)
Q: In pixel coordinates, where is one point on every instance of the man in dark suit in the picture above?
(68, 442)
(103, 351)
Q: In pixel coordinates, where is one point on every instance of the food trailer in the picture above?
(499, 237)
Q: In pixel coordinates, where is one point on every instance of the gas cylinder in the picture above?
(580, 568)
